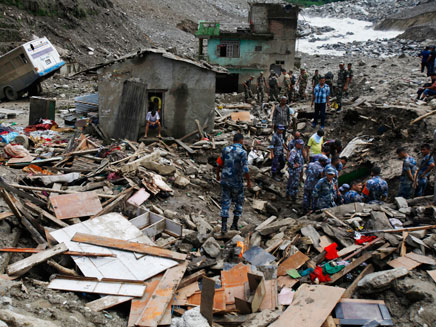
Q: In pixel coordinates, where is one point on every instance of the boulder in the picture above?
(401, 202)
(212, 247)
(163, 170)
(17, 319)
(203, 226)
(181, 181)
(378, 281)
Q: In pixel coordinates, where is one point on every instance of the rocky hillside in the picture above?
(92, 30)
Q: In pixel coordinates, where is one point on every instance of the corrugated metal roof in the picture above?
(200, 64)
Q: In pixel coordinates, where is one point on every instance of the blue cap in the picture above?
(331, 171)
(323, 157)
(299, 141)
(344, 187)
(281, 127)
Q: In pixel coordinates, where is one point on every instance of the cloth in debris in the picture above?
(8, 137)
(293, 273)
(364, 239)
(305, 272)
(376, 189)
(319, 274)
(329, 269)
(313, 175)
(324, 193)
(42, 124)
(296, 165)
(15, 151)
(331, 251)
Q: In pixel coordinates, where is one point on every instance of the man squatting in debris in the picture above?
(153, 121)
(232, 166)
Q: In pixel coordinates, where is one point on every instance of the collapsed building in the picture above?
(266, 43)
(185, 89)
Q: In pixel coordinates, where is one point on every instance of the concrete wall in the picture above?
(190, 92)
(266, 19)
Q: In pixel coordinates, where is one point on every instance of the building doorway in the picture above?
(156, 99)
(227, 83)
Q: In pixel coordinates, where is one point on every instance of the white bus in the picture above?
(23, 69)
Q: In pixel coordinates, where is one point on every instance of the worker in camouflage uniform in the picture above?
(354, 195)
(302, 83)
(314, 173)
(315, 79)
(325, 191)
(408, 173)
(296, 165)
(260, 87)
(277, 152)
(376, 188)
(234, 165)
(273, 84)
(291, 93)
(342, 85)
(286, 90)
(247, 88)
(426, 166)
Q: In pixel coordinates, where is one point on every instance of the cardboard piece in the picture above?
(257, 289)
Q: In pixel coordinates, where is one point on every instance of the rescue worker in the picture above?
(302, 83)
(277, 153)
(291, 144)
(273, 83)
(315, 79)
(260, 87)
(354, 195)
(329, 81)
(314, 173)
(426, 166)
(291, 94)
(282, 115)
(286, 84)
(376, 188)
(325, 191)
(350, 74)
(343, 189)
(407, 173)
(234, 166)
(295, 168)
(247, 88)
(342, 85)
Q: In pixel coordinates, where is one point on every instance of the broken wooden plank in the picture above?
(192, 278)
(311, 306)
(405, 262)
(50, 190)
(47, 215)
(200, 129)
(421, 258)
(127, 246)
(107, 302)
(270, 300)
(185, 146)
(62, 269)
(114, 202)
(13, 189)
(6, 214)
(162, 295)
(295, 261)
(207, 296)
(20, 267)
(350, 289)
(76, 253)
(118, 287)
(76, 205)
(406, 229)
(351, 266)
(422, 117)
(432, 274)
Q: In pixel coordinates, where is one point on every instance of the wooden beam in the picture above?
(21, 267)
(127, 246)
(185, 146)
(422, 117)
(406, 229)
(75, 253)
(107, 302)
(45, 214)
(46, 189)
(6, 214)
(162, 295)
(200, 130)
(13, 189)
(114, 203)
(207, 296)
(192, 278)
(62, 269)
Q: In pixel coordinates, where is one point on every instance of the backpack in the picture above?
(329, 75)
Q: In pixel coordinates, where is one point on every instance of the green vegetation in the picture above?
(307, 3)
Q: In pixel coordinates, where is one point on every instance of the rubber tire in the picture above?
(35, 89)
(10, 93)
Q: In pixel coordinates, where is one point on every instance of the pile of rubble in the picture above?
(138, 223)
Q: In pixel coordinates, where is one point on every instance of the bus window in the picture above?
(23, 58)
